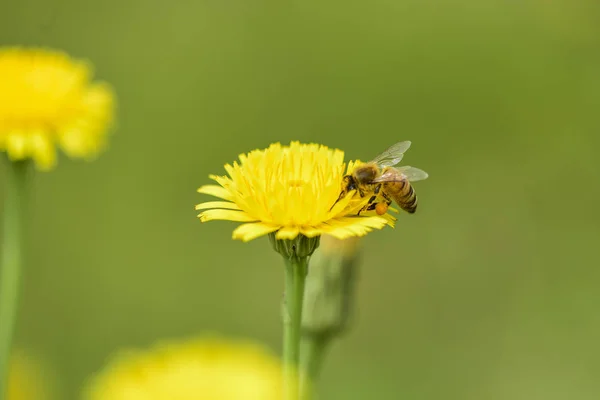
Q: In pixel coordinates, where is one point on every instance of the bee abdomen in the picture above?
(408, 200)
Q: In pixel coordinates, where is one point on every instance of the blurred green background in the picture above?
(490, 291)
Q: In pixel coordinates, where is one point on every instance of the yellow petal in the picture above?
(16, 146)
(287, 232)
(353, 226)
(341, 205)
(391, 220)
(73, 141)
(376, 222)
(221, 180)
(43, 151)
(228, 215)
(344, 233)
(310, 231)
(247, 232)
(100, 100)
(216, 191)
(217, 204)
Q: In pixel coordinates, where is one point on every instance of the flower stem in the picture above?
(295, 277)
(10, 263)
(313, 354)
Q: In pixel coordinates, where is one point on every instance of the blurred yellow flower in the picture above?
(47, 101)
(27, 379)
(289, 190)
(200, 369)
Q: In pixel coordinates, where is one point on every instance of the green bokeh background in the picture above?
(490, 291)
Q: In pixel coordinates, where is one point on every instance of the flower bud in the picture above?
(328, 297)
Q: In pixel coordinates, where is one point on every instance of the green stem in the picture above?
(295, 278)
(10, 263)
(313, 354)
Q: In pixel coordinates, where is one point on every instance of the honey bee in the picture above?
(382, 181)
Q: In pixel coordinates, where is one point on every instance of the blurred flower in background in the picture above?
(289, 190)
(29, 379)
(47, 101)
(205, 368)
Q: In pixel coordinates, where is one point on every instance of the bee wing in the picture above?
(393, 155)
(391, 175)
(413, 174)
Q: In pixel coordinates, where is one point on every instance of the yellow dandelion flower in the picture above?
(289, 190)
(198, 369)
(27, 379)
(47, 102)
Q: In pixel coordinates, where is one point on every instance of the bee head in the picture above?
(365, 173)
(348, 183)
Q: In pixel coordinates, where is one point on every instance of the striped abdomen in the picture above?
(403, 194)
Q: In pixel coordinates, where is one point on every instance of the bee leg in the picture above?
(371, 203)
(387, 198)
(371, 207)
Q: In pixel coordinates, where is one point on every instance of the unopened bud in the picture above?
(329, 292)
